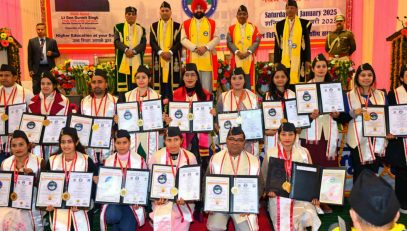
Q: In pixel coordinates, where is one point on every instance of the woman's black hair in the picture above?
(198, 86)
(51, 77)
(364, 67)
(21, 134)
(75, 138)
(402, 71)
(320, 57)
(273, 91)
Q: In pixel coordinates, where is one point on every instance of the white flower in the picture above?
(219, 71)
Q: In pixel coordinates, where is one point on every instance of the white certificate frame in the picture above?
(373, 127)
(178, 111)
(136, 195)
(244, 191)
(334, 93)
(15, 111)
(226, 121)
(197, 107)
(128, 114)
(162, 175)
(3, 124)
(290, 112)
(54, 128)
(333, 175)
(83, 125)
(273, 112)
(218, 190)
(51, 186)
(252, 124)
(109, 185)
(32, 125)
(79, 182)
(306, 94)
(28, 182)
(189, 183)
(155, 108)
(105, 125)
(396, 120)
(6, 181)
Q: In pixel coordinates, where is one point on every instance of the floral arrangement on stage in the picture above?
(224, 74)
(263, 77)
(342, 71)
(5, 38)
(76, 79)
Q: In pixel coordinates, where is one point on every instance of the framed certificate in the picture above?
(163, 182)
(50, 189)
(299, 121)
(15, 112)
(245, 195)
(23, 190)
(332, 186)
(331, 96)
(189, 183)
(252, 124)
(374, 122)
(180, 115)
(307, 98)
(226, 121)
(52, 129)
(217, 193)
(101, 132)
(273, 113)
(109, 185)
(32, 126)
(79, 189)
(128, 114)
(152, 115)
(6, 187)
(137, 182)
(82, 124)
(397, 122)
(3, 121)
(202, 117)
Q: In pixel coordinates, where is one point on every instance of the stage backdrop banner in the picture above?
(84, 26)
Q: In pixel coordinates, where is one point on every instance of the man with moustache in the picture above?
(165, 42)
(198, 36)
(341, 42)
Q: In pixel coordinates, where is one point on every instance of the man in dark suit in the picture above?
(42, 52)
(292, 42)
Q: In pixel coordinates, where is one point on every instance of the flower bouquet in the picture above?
(5, 38)
(224, 74)
(342, 71)
(263, 77)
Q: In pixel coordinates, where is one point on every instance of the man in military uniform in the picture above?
(130, 44)
(341, 42)
(165, 41)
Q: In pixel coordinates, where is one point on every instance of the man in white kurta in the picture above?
(234, 161)
(99, 104)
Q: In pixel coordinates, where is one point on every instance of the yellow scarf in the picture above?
(200, 38)
(294, 61)
(396, 227)
(243, 45)
(135, 61)
(165, 42)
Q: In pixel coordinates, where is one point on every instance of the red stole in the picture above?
(35, 105)
(180, 95)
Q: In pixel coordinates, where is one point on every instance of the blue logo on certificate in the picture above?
(217, 189)
(178, 114)
(373, 116)
(227, 124)
(162, 179)
(306, 96)
(1, 184)
(30, 125)
(127, 115)
(52, 185)
(78, 127)
(272, 112)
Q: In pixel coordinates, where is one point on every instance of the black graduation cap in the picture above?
(131, 9)
(242, 8)
(234, 131)
(238, 71)
(173, 131)
(165, 5)
(143, 69)
(6, 67)
(286, 127)
(122, 134)
(100, 72)
(20, 134)
(292, 3)
(373, 199)
(191, 67)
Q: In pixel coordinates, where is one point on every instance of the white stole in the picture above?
(355, 138)
(64, 218)
(401, 98)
